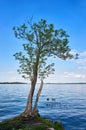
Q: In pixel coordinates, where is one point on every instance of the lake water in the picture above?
(58, 102)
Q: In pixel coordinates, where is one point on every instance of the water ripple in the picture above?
(66, 103)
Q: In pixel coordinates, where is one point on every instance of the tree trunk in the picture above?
(28, 110)
(35, 111)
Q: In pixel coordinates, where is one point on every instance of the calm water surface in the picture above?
(58, 102)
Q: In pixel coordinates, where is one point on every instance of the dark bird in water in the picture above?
(53, 99)
(47, 99)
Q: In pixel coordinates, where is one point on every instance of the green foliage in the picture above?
(43, 41)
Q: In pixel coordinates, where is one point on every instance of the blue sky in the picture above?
(67, 14)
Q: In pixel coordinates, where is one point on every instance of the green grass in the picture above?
(56, 125)
(19, 123)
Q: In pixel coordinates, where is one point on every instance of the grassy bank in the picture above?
(30, 123)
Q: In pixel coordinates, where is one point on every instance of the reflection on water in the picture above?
(58, 102)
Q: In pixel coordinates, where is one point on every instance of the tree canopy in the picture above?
(43, 40)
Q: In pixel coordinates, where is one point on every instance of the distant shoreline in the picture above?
(67, 83)
(39, 83)
(12, 83)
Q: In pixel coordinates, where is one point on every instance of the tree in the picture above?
(42, 41)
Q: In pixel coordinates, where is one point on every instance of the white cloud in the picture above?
(82, 57)
(73, 52)
(82, 61)
(16, 78)
(82, 67)
(73, 75)
(83, 54)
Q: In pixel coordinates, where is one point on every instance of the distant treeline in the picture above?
(67, 83)
(38, 83)
(12, 83)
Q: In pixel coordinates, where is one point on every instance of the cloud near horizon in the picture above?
(82, 57)
(82, 67)
(73, 75)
